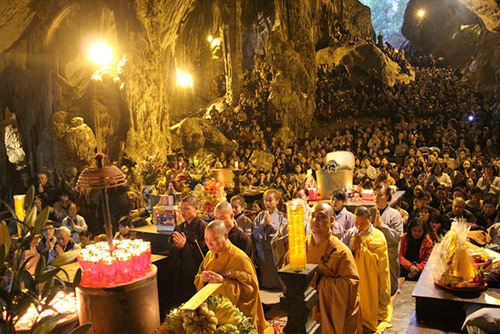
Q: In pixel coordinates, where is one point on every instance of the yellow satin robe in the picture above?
(240, 283)
(375, 280)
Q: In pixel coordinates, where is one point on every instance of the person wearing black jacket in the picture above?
(441, 201)
(186, 249)
(47, 241)
(224, 212)
(489, 215)
(458, 211)
(45, 190)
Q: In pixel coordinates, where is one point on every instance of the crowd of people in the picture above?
(439, 145)
(434, 138)
(438, 118)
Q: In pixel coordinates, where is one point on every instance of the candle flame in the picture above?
(62, 303)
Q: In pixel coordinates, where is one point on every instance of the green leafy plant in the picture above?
(152, 168)
(20, 289)
(198, 168)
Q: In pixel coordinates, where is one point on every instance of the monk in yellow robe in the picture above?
(337, 278)
(370, 252)
(229, 265)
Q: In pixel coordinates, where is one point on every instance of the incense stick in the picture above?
(199, 248)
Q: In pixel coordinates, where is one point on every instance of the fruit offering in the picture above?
(216, 316)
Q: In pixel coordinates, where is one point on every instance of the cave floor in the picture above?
(404, 319)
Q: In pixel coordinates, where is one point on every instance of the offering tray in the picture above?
(471, 287)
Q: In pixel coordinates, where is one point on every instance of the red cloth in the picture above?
(423, 255)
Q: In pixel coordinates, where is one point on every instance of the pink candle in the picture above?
(108, 270)
(124, 266)
(83, 260)
(137, 263)
(95, 271)
(130, 259)
(91, 249)
(147, 259)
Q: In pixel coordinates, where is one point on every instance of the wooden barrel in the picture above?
(128, 308)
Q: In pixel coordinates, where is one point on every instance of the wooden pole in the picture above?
(107, 219)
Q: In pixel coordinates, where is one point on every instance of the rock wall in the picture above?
(74, 143)
(465, 32)
(365, 62)
(301, 27)
(130, 106)
(44, 69)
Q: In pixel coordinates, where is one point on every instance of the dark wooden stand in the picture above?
(130, 308)
(444, 309)
(298, 300)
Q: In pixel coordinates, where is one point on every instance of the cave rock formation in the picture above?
(74, 143)
(365, 62)
(199, 134)
(130, 104)
(465, 32)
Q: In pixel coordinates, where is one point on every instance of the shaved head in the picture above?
(216, 237)
(218, 227)
(224, 213)
(326, 206)
(321, 220)
(362, 211)
(224, 207)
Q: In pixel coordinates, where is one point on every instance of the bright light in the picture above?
(210, 38)
(471, 118)
(421, 13)
(62, 303)
(184, 79)
(215, 43)
(100, 53)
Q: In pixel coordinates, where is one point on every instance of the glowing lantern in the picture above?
(184, 79)
(100, 53)
(215, 43)
(296, 235)
(421, 13)
(19, 208)
(61, 303)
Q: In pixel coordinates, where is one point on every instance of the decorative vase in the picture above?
(149, 190)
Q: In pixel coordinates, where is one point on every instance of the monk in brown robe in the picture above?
(337, 278)
(224, 213)
(229, 265)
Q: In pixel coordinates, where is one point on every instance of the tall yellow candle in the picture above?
(19, 208)
(296, 235)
